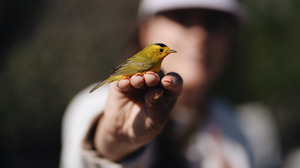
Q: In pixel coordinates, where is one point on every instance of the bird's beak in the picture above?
(173, 51)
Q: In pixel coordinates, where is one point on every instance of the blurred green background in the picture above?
(51, 49)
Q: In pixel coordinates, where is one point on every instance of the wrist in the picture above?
(112, 143)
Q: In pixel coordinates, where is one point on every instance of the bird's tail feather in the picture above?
(108, 80)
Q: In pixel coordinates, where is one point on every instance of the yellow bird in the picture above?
(148, 59)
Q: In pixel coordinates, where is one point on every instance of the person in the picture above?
(122, 125)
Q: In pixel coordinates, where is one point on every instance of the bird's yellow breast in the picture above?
(157, 66)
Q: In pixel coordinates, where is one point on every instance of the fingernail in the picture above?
(138, 74)
(169, 80)
(150, 72)
(153, 73)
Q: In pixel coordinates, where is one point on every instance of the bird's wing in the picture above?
(130, 67)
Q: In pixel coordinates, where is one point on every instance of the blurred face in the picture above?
(201, 39)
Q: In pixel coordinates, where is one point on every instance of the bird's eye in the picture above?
(161, 50)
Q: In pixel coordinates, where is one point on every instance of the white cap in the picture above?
(149, 8)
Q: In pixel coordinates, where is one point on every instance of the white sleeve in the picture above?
(80, 113)
(140, 159)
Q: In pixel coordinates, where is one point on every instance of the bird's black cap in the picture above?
(161, 44)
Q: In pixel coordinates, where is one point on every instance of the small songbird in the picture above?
(148, 59)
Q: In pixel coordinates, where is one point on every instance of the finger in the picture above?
(124, 84)
(137, 81)
(168, 92)
(154, 95)
(160, 100)
(158, 107)
(173, 83)
(151, 79)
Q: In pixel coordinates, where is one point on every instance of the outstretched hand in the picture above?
(136, 112)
